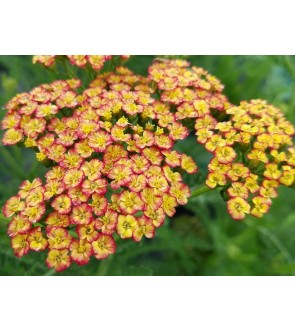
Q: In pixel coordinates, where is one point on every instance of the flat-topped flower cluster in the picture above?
(95, 62)
(113, 170)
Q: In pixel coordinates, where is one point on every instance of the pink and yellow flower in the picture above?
(188, 164)
(177, 131)
(214, 141)
(92, 169)
(151, 199)
(238, 189)
(58, 259)
(141, 163)
(103, 246)
(12, 206)
(27, 186)
(126, 225)
(225, 154)
(169, 204)
(137, 182)
(87, 232)
(172, 176)
(37, 240)
(251, 183)
(80, 251)
(157, 216)
(272, 172)
(173, 158)
(81, 214)
(120, 175)
(58, 238)
(158, 183)
(34, 213)
(238, 208)
(107, 223)
(99, 204)
(53, 188)
(62, 204)
(57, 219)
(238, 171)
(180, 191)
(98, 186)
(144, 227)
(20, 244)
(130, 202)
(35, 197)
(46, 110)
(18, 225)
(288, 176)
(12, 136)
(215, 179)
(153, 154)
(163, 142)
(147, 139)
(261, 206)
(99, 140)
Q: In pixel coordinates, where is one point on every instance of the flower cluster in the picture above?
(31, 114)
(251, 144)
(95, 62)
(191, 91)
(253, 156)
(113, 167)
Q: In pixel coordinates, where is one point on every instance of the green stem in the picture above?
(51, 272)
(104, 266)
(200, 191)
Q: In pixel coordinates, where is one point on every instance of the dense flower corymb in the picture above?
(113, 170)
(111, 165)
(264, 138)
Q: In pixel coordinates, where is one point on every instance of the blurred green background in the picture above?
(200, 239)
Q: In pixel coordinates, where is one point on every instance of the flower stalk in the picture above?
(200, 191)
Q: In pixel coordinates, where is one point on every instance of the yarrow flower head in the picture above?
(249, 180)
(111, 165)
(113, 170)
